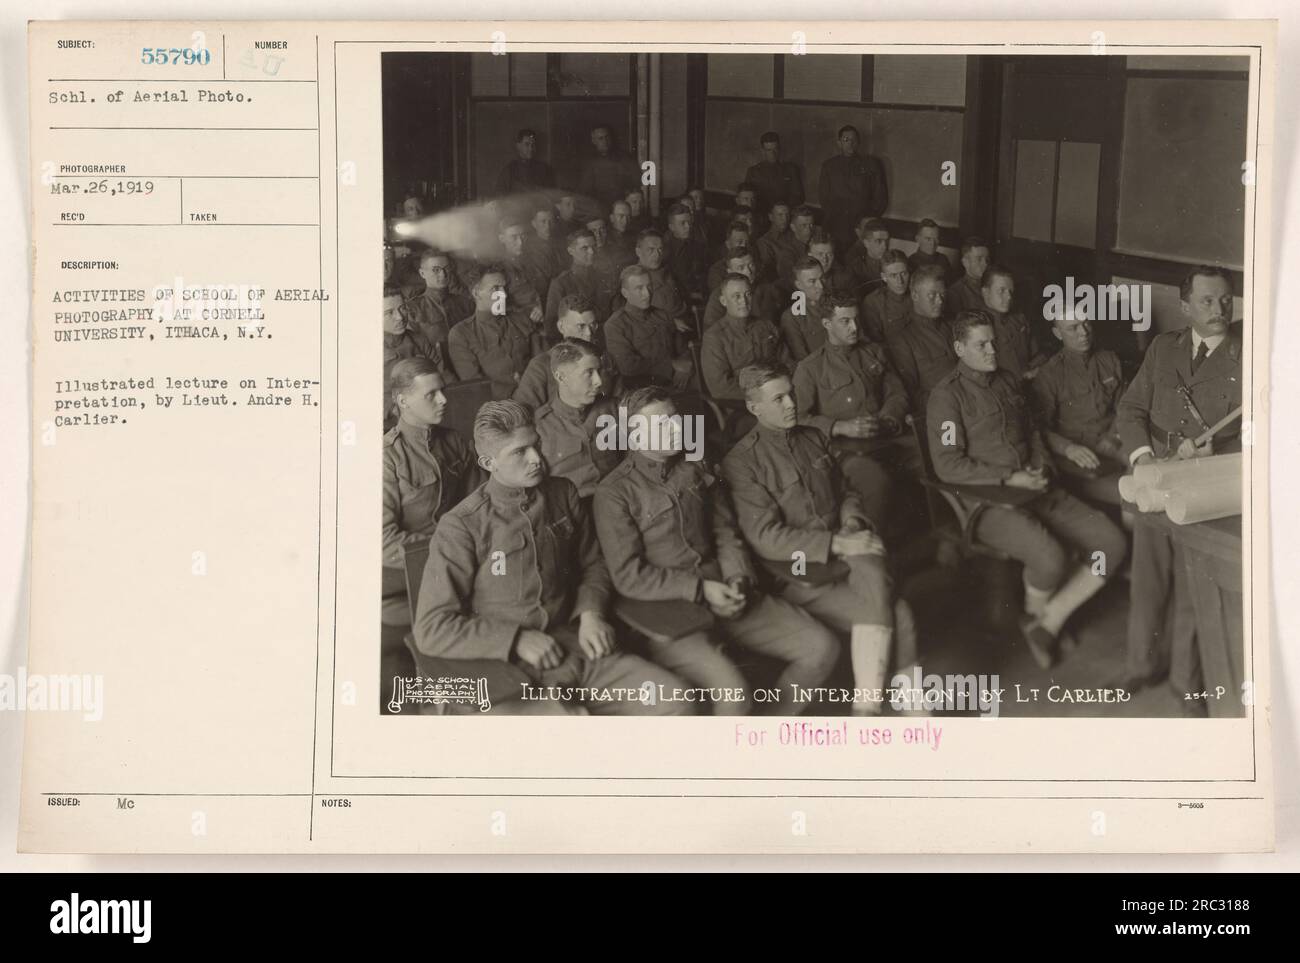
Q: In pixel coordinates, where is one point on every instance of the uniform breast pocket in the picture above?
(509, 562)
(556, 549)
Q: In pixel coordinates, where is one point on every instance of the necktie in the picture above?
(1201, 352)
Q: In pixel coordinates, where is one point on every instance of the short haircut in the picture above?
(1202, 271)
(770, 137)
(545, 209)
(570, 351)
(605, 127)
(496, 421)
(734, 226)
(821, 236)
(430, 253)
(617, 203)
(803, 210)
(639, 399)
(892, 256)
(843, 301)
(576, 304)
(406, 371)
(927, 272)
(483, 272)
(392, 291)
(967, 321)
(847, 127)
(649, 232)
(525, 132)
(754, 376)
(993, 272)
(870, 225)
(678, 209)
(578, 235)
(972, 242)
(506, 223)
(924, 223)
(805, 263)
(631, 271)
(734, 277)
(737, 253)
(746, 186)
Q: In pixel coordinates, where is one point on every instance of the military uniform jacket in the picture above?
(1077, 394)
(965, 294)
(434, 313)
(862, 267)
(985, 416)
(537, 384)
(568, 443)
(506, 559)
(851, 188)
(487, 346)
(803, 333)
(917, 260)
(589, 283)
(525, 283)
(883, 314)
(1152, 410)
(781, 251)
(426, 472)
(665, 527)
(688, 263)
(778, 181)
(524, 175)
(788, 492)
(922, 353)
(1017, 346)
(641, 342)
(733, 343)
(544, 259)
(837, 382)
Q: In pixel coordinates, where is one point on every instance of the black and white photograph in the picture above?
(814, 384)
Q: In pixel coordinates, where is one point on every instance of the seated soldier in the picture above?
(927, 253)
(581, 279)
(801, 322)
(738, 340)
(767, 303)
(620, 245)
(794, 508)
(427, 469)
(863, 259)
(401, 341)
(568, 424)
(566, 221)
(886, 309)
(1018, 349)
(685, 255)
(922, 348)
(515, 575)
(836, 279)
(780, 248)
(577, 320)
(981, 433)
(1077, 392)
(541, 253)
(668, 531)
(642, 340)
(638, 219)
(495, 341)
(524, 282)
(966, 294)
(663, 289)
(848, 389)
(435, 310)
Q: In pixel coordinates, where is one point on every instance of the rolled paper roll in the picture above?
(1203, 502)
(1150, 499)
(1128, 488)
(1167, 474)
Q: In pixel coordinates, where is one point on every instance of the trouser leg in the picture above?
(777, 629)
(698, 660)
(1151, 587)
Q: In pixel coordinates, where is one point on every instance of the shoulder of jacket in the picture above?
(471, 504)
(391, 436)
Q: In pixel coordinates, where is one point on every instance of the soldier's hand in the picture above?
(722, 599)
(864, 426)
(535, 315)
(1188, 448)
(1026, 479)
(1146, 458)
(595, 635)
(682, 370)
(1083, 456)
(849, 544)
(538, 649)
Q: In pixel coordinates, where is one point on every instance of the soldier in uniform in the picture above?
(1188, 381)
(737, 236)
(767, 302)
(664, 294)
(525, 172)
(401, 340)
(795, 509)
(981, 433)
(427, 469)
(437, 309)
(862, 260)
(852, 186)
(738, 340)
(495, 341)
(620, 245)
(1018, 349)
(836, 279)
(638, 219)
(581, 278)
(576, 320)
(515, 575)
(781, 249)
(802, 329)
(888, 308)
(927, 251)
(668, 531)
(569, 423)
(922, 348)
(775, 181)
(685, 255)
(543, 257)
(524, 282)
(1077, 392)
(966, 293)
(608, 174)
(642, 339)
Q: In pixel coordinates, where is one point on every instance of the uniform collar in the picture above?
(738, 324)
(777, 436)
(506, 495)
(1210, 343)
(654, 469)
(415, 434)
(982, 378)
(566, 412)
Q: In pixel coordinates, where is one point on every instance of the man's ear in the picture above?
(487, 463)
(1057, 333)
(749, 406)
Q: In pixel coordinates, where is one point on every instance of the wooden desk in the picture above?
(1211, 554)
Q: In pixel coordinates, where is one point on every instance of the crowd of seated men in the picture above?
(840, 374)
